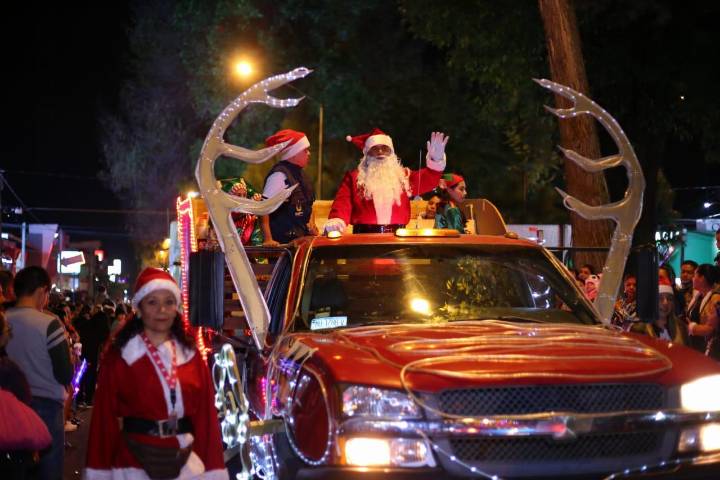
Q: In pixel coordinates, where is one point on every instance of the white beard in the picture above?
(384, 180)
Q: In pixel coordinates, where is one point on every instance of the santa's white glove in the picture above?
(335, 225)
(691, 328)
(436, 151)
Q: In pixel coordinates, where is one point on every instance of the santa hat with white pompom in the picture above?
(368, 140)
(151, 280)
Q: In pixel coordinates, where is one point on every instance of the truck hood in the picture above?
(489, 352)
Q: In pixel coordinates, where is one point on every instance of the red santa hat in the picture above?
(665, 287)
(452, 179)
(298, 142)
(151, 280)
(368, 140)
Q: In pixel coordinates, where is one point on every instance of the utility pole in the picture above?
(321, 116)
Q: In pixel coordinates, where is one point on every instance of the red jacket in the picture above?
(352, 207)
(129, 385)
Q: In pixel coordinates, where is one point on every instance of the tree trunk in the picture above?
(579, 134)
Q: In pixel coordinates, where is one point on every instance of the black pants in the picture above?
(88, 382)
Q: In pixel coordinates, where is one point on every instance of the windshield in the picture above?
(357, 285)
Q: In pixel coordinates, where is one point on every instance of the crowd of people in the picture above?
(688, 306)
(56, 357)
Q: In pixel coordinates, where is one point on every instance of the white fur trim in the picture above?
(135, 348)
(436, 165)
(95, 474)
(216, 475)
(383, 210)
(295, 148)
(154, 285)
(378, 140)
(193, 469)
(665, 289)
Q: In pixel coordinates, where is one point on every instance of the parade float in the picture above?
(433, 354)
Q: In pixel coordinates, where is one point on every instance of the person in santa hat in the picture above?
(375, 197)
(453, 193)
(667, 326)
(293, 219)
(154, 414)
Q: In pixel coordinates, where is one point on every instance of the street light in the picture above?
(243, 68)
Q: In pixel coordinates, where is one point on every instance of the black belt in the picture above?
(370, 228)
(158, 428)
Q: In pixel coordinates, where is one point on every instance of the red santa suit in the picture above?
(131, 385)
(352, 207)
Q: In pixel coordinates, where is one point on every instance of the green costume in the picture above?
(450, 217)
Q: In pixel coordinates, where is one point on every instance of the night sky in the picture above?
(63, 65)
(67, 64)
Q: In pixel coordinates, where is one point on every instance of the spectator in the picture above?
(433, 202)
(153, 350)
(39, 348)
(101, 295)
(6, 284)
(585, 271)
(667, 326)
(12, 378)
(667, 274)
(703, 313)
(625, 314)
(687, 272)
(120, 317)
(73, 339)
(93, 334)
(592, 285)
(717, 245)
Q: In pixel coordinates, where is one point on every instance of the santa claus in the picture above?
(375, 197)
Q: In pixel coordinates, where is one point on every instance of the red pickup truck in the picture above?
(463, 356)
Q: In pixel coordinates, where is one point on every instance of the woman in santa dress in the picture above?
(154, 413)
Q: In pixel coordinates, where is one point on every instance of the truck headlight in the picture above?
(375, 402)
(385, 452)
(701, 395)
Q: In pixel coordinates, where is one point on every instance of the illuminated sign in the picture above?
(71, 260)
(115, 268)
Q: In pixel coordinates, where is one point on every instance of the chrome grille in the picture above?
(529, 449)
(585, 398)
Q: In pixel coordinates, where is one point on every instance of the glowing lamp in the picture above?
(367, 452)
(420, 305)
(243, 68)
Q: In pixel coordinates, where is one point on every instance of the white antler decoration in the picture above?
(220, 204)
(625, 212)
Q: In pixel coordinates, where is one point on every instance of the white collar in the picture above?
(135, 349)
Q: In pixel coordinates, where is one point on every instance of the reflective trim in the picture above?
(558, 425)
